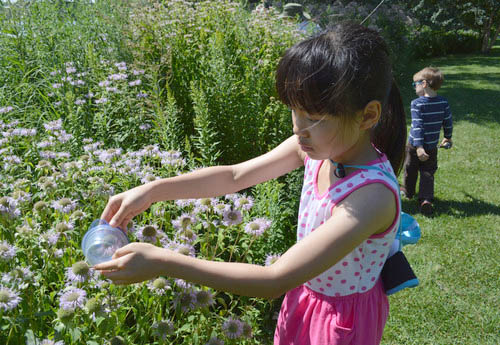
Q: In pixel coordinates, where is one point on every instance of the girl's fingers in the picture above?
(122, 251)
(106, 266)
(114, 275)
(120, 217)
(109, 211)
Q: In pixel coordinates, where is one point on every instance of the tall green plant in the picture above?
(205, 138)
(231, 54)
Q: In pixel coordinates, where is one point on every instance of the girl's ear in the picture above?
(371, 115)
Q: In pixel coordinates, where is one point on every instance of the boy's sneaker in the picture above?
(426, 208)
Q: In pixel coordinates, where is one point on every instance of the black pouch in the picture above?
(397, 274)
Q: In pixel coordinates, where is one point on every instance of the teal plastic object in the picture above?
(410, 229)
(101, 241)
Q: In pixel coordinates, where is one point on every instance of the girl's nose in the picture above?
(299, 128)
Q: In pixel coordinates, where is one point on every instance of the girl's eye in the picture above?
(312, 120)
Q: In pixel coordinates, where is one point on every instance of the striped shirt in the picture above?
(428, 115)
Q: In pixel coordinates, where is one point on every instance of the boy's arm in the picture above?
(417, 126)
(447, 122)
(417, 131)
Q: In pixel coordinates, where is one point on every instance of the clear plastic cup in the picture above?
(101, 241)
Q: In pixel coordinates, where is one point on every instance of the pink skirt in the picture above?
(311, 318)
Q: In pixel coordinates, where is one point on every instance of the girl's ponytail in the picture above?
(389, 136)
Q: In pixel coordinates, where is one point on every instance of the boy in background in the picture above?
(429, 112)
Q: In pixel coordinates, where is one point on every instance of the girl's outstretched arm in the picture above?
(369, 210)
(203, 183)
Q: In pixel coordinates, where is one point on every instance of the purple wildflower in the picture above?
(8, 206)
(64, 205)
(184, 249)
(149, 177)
(163, 328)
(185, 300)
(9, 299)
(232, 217)
(232, 328)
(203, 298)
(79, 272)
(142, 95)
(19, 276)
(186, 235)
(184, 202)
(182, 284)
(184, 221)
(244, 202)
(159, 286)
(122, 66)
(221, 208)
(104, 83)
(52, 126)
(247, 330)
(51, 237)
(258, 226)
(5, 110)
(232, 197)
(148, 233)
(108, 155)
(271, 259)
(7, 251)
(73, 298)
(117, 76)
(135, 82)
(205, 204)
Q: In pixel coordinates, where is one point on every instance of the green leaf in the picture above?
(75, 334)
(30, 337)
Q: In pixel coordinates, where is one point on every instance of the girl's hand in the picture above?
(421, 154)
(121, 208)
(133, 263)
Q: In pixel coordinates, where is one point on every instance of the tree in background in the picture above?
(481, 16)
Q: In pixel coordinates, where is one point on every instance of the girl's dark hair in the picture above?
(337, 73)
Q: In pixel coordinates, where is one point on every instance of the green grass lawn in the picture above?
(458, 257)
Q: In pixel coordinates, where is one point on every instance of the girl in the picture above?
(349, 132)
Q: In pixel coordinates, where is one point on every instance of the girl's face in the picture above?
(324, 136)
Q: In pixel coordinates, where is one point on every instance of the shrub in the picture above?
(428, 42)
(217, 63)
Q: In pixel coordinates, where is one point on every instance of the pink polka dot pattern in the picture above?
(359, 270)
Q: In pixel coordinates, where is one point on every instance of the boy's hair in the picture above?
(433, 76)
(338, 73)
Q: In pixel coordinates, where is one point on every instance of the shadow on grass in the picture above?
(479, 106)
(471, 207)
